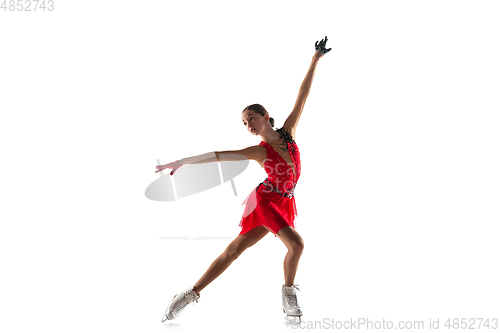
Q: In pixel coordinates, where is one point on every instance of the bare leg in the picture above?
(233, 251)
(295, 246)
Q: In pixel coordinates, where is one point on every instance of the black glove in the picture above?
(321, 46)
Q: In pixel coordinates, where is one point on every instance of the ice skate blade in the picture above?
(165, 318)
(168, 322)
(293, 319)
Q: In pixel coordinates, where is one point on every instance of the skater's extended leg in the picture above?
(295, 246)
(233, 251)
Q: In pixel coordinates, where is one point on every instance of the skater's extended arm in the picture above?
(305, 88)
(203, 158)
(253, 153)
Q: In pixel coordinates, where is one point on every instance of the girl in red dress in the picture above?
(268, 208)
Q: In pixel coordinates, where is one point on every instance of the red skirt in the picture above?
(269, 209)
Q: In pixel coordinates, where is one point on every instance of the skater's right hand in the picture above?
(174, 165)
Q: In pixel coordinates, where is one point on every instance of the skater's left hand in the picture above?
(321, 49)
(174, 165)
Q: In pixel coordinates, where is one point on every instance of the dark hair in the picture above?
(260, 110)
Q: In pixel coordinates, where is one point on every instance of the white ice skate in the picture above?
(179, 302)
(290, 304)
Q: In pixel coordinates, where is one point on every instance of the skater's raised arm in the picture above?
(305, 88)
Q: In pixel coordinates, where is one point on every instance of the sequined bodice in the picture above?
(281, 178)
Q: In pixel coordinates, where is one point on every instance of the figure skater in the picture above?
(271, 206)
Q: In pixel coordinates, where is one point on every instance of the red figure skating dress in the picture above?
(272, 203)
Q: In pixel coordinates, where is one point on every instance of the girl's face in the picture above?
(253, 121)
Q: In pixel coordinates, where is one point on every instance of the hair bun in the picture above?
(271, 121)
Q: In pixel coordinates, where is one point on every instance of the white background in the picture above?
(398, 200)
